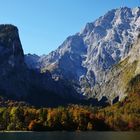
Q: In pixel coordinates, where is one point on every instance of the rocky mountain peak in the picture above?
(11, 51)
(86, 56)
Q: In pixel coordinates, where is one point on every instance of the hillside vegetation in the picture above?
(123, 115)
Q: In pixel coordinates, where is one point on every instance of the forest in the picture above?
(122, 116)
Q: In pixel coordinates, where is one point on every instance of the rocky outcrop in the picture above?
(11, 52)
(12, 64)
(116, 83)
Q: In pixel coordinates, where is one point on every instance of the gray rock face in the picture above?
(11, 52)
(116, 82)
(11, 61)
(85, 57)
(32, 61)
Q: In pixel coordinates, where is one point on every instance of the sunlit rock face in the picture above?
(86, 57)
(116, 82)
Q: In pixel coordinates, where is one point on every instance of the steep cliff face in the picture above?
(11, 53)
(85, 57)
(116, 83)
(12, 64)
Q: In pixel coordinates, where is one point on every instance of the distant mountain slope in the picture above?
(116, 84)
(85, 57)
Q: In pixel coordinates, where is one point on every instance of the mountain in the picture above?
(86, 57)
(94, 66)
(98, 66)
(18, 82)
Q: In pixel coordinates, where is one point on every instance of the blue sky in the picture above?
(45, 24)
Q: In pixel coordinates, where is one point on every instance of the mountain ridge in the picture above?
(85, 57)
